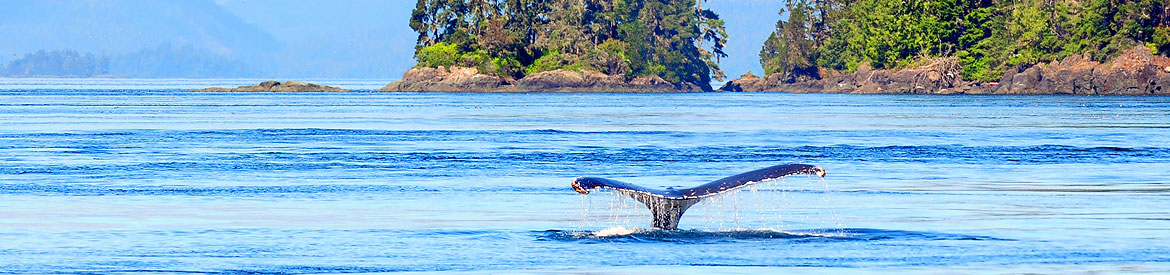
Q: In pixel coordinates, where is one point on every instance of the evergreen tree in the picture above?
(677, 40)
(988, 37)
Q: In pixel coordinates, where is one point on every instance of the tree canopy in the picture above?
(677, 40)
(989, 37)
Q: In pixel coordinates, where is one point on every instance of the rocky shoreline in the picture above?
(275, 86)
(1136, 72)
(470, 80)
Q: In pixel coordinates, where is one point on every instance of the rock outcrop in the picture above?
(593, 81)
(746, 83)
(469, 80)
(274, 86)
(1135, 72)
(939, 76)
(441, 79)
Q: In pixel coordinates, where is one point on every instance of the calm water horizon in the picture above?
(136, 176)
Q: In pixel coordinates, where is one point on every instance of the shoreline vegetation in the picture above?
(564, 46)
(1087, 47)
(1095, 47)
(1134, 73)
(1079, 47)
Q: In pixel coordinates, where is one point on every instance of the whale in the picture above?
(668, 205)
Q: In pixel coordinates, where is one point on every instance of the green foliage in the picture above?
(791, 50)
(976, 66)
(711, 30)
(440, 54)
(608, 57)
(550, 62)
(1160, 42)
(448, 54)
(507, 66)
(463, 41)
(988, 37)
(677, 40)
(474, 59)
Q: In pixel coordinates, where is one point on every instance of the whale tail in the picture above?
(667, 206)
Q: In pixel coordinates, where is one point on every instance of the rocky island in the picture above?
(463, 79)
(275, 86)
(989, 47)
(862, 46)
(1136, 72)
(564, 46)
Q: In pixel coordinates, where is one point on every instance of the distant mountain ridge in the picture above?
(57, 64)
(163, 38)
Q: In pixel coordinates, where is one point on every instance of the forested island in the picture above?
(834, 46)
(564, 45)
(57, 64)
(968, 46)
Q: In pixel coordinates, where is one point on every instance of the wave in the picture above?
(314, 156)
(95, 190)
(24, 154)
(623, 234)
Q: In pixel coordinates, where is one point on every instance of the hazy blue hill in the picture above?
(107, 26)
(134, 32)
(348, 39)
(57, 63)
(185, 61)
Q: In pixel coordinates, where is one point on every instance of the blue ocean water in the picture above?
(136, 176)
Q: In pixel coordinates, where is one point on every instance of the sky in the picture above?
(748, 23)
(281, 38)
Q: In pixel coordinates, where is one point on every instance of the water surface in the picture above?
(131, 176)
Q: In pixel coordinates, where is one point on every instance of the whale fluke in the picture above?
(667, 206)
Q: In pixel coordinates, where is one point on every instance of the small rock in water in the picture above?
(276, 86)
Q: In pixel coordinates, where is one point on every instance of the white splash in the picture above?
(614, 231)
